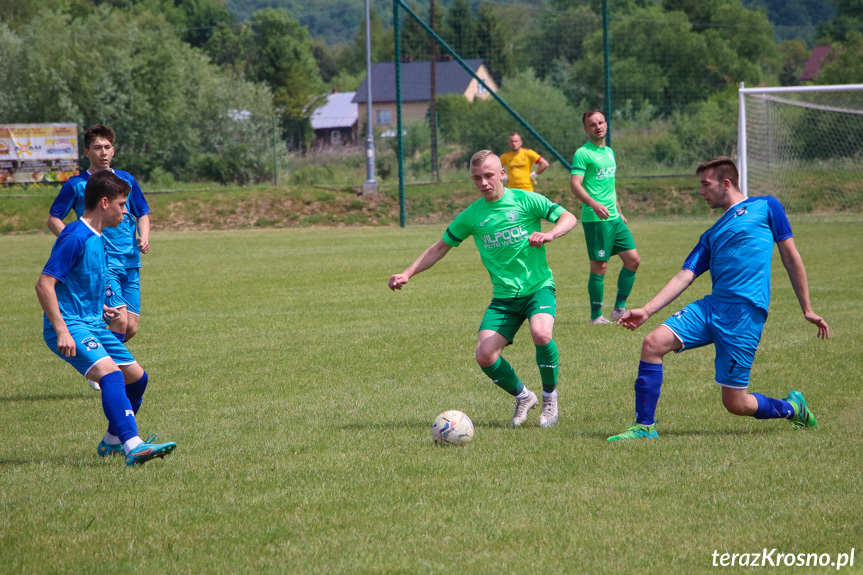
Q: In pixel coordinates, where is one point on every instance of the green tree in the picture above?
(794, 55)
(844, 65)
(284, 61)
(459, 31)
(560, 36)
(492, 44)
(168, 104)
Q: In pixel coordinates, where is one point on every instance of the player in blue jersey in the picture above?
(72, 291)
(125, 243)
(737, 251)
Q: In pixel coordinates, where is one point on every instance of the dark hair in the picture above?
(722, 168)
(588, 114)
(98, 131)
(104, 184)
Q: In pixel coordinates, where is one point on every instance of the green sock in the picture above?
(546, 359)
(624, 286)
(503, 375)
(595, 289)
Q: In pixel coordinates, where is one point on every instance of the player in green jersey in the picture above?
(506, 227)
(605, 229)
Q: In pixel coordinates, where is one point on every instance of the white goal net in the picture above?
(803, 145)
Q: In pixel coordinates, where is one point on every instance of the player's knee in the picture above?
(131, 330)
(541, 337)
(486, 358)
(654, 346)
(633, 263)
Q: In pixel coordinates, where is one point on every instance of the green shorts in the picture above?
(605, 239)
(505, 315)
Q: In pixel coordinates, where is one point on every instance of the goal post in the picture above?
(804, 145)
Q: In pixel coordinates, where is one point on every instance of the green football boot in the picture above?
(637, 431)
(802, 416)
(147, 451)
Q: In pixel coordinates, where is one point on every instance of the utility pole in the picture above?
(370, 186)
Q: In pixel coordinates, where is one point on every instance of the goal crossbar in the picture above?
(773, 94)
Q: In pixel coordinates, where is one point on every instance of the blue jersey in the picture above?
(737, 250)
(122, 242)
(80, 263)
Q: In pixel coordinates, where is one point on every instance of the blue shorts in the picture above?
(124, 289)
(93, 344)
(733, 329)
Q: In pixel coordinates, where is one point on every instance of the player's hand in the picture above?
(66, 344)
(536, 239)
(398, 280)
(533, 177)
(823, 328)
(143, 245)
(633, 318)
(601, 212)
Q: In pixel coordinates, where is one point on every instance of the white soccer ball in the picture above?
(452, 428)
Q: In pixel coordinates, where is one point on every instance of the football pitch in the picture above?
(301, 391)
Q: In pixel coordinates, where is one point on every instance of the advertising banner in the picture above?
(32, 153)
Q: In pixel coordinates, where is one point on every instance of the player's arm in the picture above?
(433, 254)
(48, 300)
(541, 166)
(672, 290)
(797, 274)
(565, 223)
(144, 233)
(576, 182)
(55, 224)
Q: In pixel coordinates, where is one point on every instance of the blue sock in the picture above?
(647, 390)
(770, 408)
(135, 392)
(117, 408)
(120, 336)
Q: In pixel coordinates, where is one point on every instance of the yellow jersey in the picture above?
(518, 167)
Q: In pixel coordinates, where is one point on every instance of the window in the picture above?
(382, 117)
(335, 137)
(480, 89)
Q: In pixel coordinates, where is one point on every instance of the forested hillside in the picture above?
(197, 88)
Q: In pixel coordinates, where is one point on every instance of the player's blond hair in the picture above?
(480, 157)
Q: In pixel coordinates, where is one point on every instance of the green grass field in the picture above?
(301, 392)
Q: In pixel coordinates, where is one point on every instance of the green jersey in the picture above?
(500, 230)
(598, 167)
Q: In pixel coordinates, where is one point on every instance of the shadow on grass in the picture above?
(50, 397)
(63, 461)
(686, 433)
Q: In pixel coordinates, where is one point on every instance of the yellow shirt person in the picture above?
(518, 162)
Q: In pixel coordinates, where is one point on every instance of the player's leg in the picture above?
(132, 297)
(596, 291)
(624, 246)
(541, 313)
(499, 326)
(686, 329)
(126, 381)
(114, 298)
(738, 333)
(599, 244)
